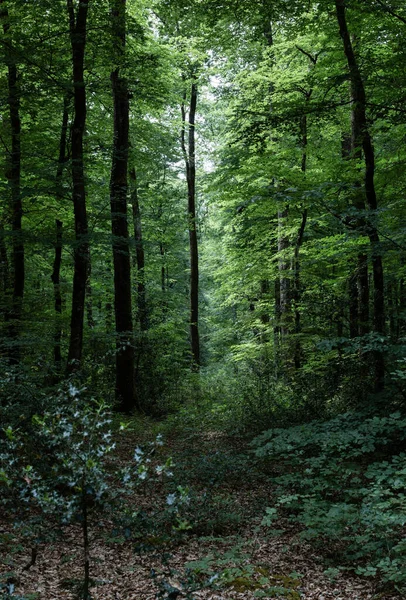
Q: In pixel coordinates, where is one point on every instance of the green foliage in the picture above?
(344, 480)
(58, 473)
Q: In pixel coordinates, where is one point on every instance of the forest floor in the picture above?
(215, 548)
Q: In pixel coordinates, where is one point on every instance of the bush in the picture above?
(62, 471)
(344, 480)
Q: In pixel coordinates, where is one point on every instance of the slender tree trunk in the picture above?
(14, 177)
(55, 277)
(81, 251)
(363, 140)
(285, 303)
(190, 162)
(125, 360)
(89, 299)
(265, 318)
(402, 301)
(139, 254)
(4, 267)
(57, 296)
(353, 305)
(392, 310)
(163, 278)
(297, 290)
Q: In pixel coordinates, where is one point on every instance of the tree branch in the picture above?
(391, 12)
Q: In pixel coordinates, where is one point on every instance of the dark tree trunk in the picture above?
(392, 310)
(14, 177)
(163, 278)
(125, 361)
(4, 268)
(265, 318)
(190, 161)
(362, 139)
(285, 300)
(353, 305)
(57, 296)
(139, 254)
(81, 251)
(55, 277)
(89, 299)
(402, 302)
(297, 292)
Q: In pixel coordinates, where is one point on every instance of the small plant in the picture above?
(68, 479)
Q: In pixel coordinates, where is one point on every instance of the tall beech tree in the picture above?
(189, 153)
(14, 178)
(362, 139)
(56, 271)
(125, 384)
(78, 31)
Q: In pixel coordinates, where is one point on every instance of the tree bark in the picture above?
(4, 265)
(57, 296)
(190, 162)
(362, 139)
(14, 177)
(402, 301)
(125, 361)
(297, 291)
(285, 300)
(55, 276)
(139, 254)
(81, 251)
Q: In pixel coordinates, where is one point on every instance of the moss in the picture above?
(154, 541)
(281, 585)
(243, 584)
(285, 581)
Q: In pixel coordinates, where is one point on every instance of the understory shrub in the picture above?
(344, 480)
(58, 468)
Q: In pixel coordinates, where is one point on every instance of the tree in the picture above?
(14, 177)
(125, 385)
(189, 153)
(362, 139)
(77, 26)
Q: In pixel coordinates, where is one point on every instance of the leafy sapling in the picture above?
(77, 439)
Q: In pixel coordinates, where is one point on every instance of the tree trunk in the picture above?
(402, 301)
(125, 365)
(55, 277)
(353, 305)
(57, 296)
(4, 267)
(139, 254)
(14, 177)
(285, 303)
(89, 299)
(190, 162)
(297, 292)
(81, 251)
(362, 139)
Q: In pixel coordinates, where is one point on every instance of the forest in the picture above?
(203, 299)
